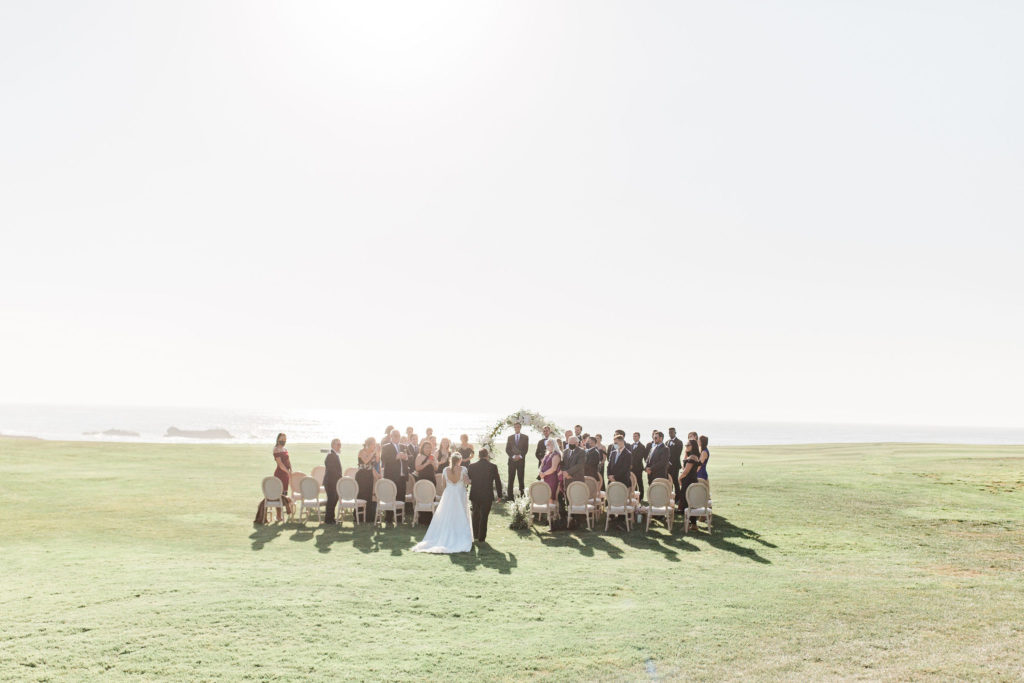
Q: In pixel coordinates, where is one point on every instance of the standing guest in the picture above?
(387, 435)
(604, 456)
(675, 452)
(573, 462)
(592, 460)
(705, 455)
(284, 465)
(578, 433)
(444, 454)
(565, 443)
(394, 459)
(517, 446)
(426, 464)
(550, 467)
(688, 475)
(465, 449)
(638, 456)
(657, 458)
(542, 448)
(368, 461)
(410, 434)
(483, 475)
(619, 465)
(332, 473)
(430, 436)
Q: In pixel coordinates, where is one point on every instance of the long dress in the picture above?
(552, 479)
(281, 473)
(451, 529)
(365, 478)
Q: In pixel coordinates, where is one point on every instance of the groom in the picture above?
(482, 474)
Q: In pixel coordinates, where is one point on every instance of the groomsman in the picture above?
(517, 446)
(394, 461)
(542, 448)
(657, 459)
(592, 460)
(619, 465)
(483, 474)
(675, 452)
(638, 455)
(332, 464)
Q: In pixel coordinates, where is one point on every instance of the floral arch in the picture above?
(527, 418)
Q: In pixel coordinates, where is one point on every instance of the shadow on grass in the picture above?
(483, 555)
(265, 533)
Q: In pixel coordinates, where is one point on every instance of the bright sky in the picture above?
(755, 210)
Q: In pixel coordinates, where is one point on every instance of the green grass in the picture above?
(852, 561)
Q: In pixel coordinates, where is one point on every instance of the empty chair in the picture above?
(309, 498)
(619, 504)
(348, 499)
(386, 493)
(440, 482)
(273, 496)
(295, 479)
(318, 473)
(577, 494)
(540, 495)
(663, 480)
(410, 484)
(423, 498)
(698, 505)
(594, 489)
(659, 503)
(351, 472)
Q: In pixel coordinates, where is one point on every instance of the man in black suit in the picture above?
(657, 459)
(675, 452)
(542, 448)
(592, 460)
(483, 474)
(573, 461)
(619, 462)
(638, 456)
(394, 462)
(517, 446)
(332, 465)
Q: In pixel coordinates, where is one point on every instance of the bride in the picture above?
(450, 530)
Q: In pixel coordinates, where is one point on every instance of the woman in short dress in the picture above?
(465, 449)
(444, 454)
(367, 474)
(688, 473)
(705, 455)
(284, 465)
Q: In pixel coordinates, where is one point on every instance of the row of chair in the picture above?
(424, 497)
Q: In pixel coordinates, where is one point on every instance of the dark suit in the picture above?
(394, 469)
(333, 465)
(592, 464)
(517, 466)
(675, 452)
(482, 475)
(638, 456)
(620, 465)
(574, 464)
(657, 462)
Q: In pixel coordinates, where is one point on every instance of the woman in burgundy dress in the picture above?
(284, 465)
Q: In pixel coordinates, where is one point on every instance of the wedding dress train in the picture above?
(451, 528)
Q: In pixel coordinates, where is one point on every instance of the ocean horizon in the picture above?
(147, 424)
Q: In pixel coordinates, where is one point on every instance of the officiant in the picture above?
(517, 446)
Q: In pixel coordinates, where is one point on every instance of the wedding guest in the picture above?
(430, 436)
(604, 458)
(410, 434)
(564, 444)
(573, 462)
(387, 435)
(367, 460)
(395, 461)
(332, 473)
(284, 465)
(578, 433)
(550, 466)
(542, 448)
(444, 454)
(705, 455)
(592, 460)
(657, 458)
(675, 452)
(517, 446)
(638, 456)
(688, 475)
(465, 449)
(484, 489)
(426, 464)
(619, 465)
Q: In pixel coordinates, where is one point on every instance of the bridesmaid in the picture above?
(688, 474)
(444, 454)
(465, 450)
(284, 465)
(705, 455)
(366, 476)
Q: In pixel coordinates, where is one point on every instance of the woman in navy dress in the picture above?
(705, 455)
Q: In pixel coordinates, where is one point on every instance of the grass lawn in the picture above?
(873, 561)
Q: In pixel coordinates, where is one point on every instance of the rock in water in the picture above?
(199, 433)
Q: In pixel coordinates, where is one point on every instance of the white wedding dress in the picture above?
(451, 528)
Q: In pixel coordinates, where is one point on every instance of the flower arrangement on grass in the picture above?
(519, 511)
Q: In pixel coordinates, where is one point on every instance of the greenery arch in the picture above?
(527, 418)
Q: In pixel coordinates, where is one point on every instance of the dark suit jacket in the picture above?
(333, 464)
(675, 452)
(657, 460)
(619, 465)
(393, 468)
(639, 455)
(592, 463)
(482, 474)
(542, 448)
(524, 446)
(573, 463)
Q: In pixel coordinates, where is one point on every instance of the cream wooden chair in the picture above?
(351, 472)
(309, 498)
(595, 499)
(697, 505)
(439, 483)
(318, 473)
(659, 503)
(295, 479)
(619, 504)
(273, 496)
(348, 499)
(410, 484)
(423, 499)
(540, 495)
(663, 480)
(386, 493)
(577, 494)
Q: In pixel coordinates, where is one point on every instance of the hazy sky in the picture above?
(797, 210)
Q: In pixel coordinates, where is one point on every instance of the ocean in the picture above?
(150, 425)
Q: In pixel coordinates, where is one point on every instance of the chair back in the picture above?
(441, 482)
(540, 493)
(632, 481)
(272, 487)
(658, 494)
(663, 480)
(618, 494)
(348, 488)
(410, 483)
(309, 488)
(351, 471)
(577, 493)
(696, 495)
(318, 473)
(423, 491)
(594, 486)
(386, 490)
(296, 479)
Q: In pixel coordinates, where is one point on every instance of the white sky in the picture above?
(797, 211)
